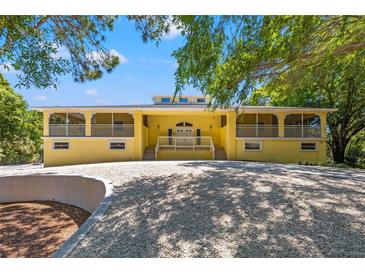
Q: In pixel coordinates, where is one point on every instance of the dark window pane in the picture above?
(308, 146)
(223, 120)
(252, 146)
(61, 145)
(117, 145)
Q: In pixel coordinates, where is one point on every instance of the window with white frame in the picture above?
(61, 145)
(252, 146)
(117, 145)
(308, 146)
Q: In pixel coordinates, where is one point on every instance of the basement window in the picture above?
(253, 146)
(61, 145)
(308, 146)
(201, 100)
(117, 145)
(183, 100)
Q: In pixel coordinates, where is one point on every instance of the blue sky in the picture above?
(145, 70)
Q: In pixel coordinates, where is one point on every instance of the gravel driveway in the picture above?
(224, 209)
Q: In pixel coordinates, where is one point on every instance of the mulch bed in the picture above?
(37, 229)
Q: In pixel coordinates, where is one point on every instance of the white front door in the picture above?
(182, 132)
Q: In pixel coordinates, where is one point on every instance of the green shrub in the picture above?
(306, 163)
(355, 153)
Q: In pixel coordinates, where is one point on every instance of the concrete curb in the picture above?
(69, 245)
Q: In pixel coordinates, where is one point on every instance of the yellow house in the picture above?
(180, 129)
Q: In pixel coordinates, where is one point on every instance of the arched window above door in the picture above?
(184, 124)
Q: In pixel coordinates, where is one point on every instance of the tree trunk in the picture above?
(338, 150)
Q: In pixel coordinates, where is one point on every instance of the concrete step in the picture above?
(220, 154)
(149, 154)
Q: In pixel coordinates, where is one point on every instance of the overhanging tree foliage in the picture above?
(334, 84)
(287, 60)
(20, 129)
(32, 45)
(227, 57)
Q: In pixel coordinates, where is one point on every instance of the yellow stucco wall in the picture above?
(281, 151)
(86, 150)
(231, 131)
(139, 135)
(159, 124)
(92, 150)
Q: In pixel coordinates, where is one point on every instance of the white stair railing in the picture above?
(156, 150)
(180, 142)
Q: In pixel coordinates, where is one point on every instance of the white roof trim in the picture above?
(186, 108)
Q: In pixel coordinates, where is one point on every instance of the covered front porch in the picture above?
(182, 137)
(82, 124)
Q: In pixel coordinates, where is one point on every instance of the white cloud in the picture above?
(154, 62)
(122, 58)
(173, 32)
(62, 52)
(7, 69)
(102, 101)
(94, 55)
(40, 98)
(91, 92)
(97, 56)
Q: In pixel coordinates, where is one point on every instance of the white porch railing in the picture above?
(112, 130)
(302, 131)
(243, 130)
(179, 142)
(66, 130)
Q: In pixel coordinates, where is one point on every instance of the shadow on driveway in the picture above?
(234, 209)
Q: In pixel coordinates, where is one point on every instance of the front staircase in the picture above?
(220, 154)
(149, 154)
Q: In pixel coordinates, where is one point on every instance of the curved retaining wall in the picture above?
(90, 194)
(83, 192)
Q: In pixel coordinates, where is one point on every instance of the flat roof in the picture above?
(186, 107)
